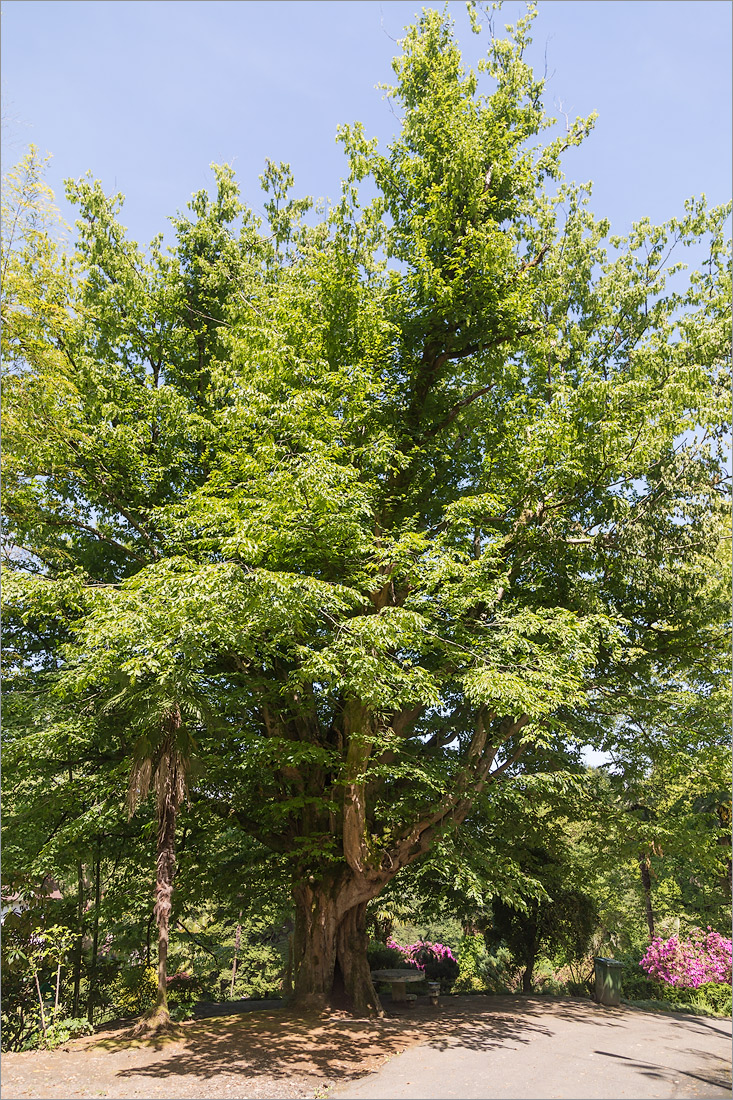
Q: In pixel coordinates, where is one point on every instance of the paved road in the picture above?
(536, 1049)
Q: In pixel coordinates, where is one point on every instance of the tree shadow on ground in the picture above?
(715, 1073)
(283, 1043)
(481, 1022)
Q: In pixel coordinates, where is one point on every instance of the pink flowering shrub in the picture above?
(437, 962)
(689, 964)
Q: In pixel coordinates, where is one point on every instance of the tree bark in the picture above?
(169, 783)
(530, 958)
(527, 975)
(95, 937)
(147, 937)
(329, 947)
(351, 960)
(79, 939)
(646, 882)
(166, 864)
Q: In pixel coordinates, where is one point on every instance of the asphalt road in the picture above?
(537, 1049)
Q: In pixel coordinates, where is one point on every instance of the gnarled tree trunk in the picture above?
(351, 959)
(330, 945)
(330, 940)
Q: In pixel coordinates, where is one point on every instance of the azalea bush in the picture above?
(437, 961)
(692, 963)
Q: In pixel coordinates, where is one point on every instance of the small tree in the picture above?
(561, 921)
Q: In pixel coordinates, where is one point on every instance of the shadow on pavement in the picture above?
(717, 1075)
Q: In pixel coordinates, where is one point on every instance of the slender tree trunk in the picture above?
(646, 882)
(530, 955)
(168, 768)
(237, 937)
(288, 981)
(79, 939)
(151, 918)
(169, 791)
(158, 1018)
(40, 1002)
(528, 973)
(95, 936)
(166, 864)
(329, 948)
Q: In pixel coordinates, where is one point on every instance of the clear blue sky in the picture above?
(147, 93)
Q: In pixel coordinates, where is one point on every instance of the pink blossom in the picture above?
(690, 963)
(410, 951)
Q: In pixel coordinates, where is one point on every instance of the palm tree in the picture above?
(161, 762)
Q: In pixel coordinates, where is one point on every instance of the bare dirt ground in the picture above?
(261, 1056)
(274, 1054)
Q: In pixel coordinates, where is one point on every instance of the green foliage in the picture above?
(381, 957)
(399, 500)
(496, 972)
(473, 961)
(436, 928)
(65, 1028)
(134, 991)
(711, 999)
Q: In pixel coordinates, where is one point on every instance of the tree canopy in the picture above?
(390, 499)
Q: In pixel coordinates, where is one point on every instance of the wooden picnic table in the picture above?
(398, 980)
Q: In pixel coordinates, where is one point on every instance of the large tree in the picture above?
(404, 487)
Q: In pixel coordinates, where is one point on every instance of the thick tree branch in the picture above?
(450, 417)
(79, 526)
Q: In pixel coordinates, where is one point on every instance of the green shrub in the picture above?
(182, 988)
(579, 989)
(501, 971)
(711, 999)
(381, 957)
(64, 1029)
(134, 991)
(472, 965)
(549, 986)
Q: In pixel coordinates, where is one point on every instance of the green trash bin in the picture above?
(608, 980)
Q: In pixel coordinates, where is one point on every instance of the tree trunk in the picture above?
(158, 1018)
(351, 960)
(646, 882)
(95, 937)
(237, 939)
(166, 864)
(151, 918)
(527, 975)
(79, 940)
(329, 947)
(530, 955)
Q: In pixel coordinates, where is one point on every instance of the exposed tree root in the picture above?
(156, 1022)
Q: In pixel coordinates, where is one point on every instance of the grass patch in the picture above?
(668, 1007)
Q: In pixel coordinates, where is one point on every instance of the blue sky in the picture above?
(146, 94)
